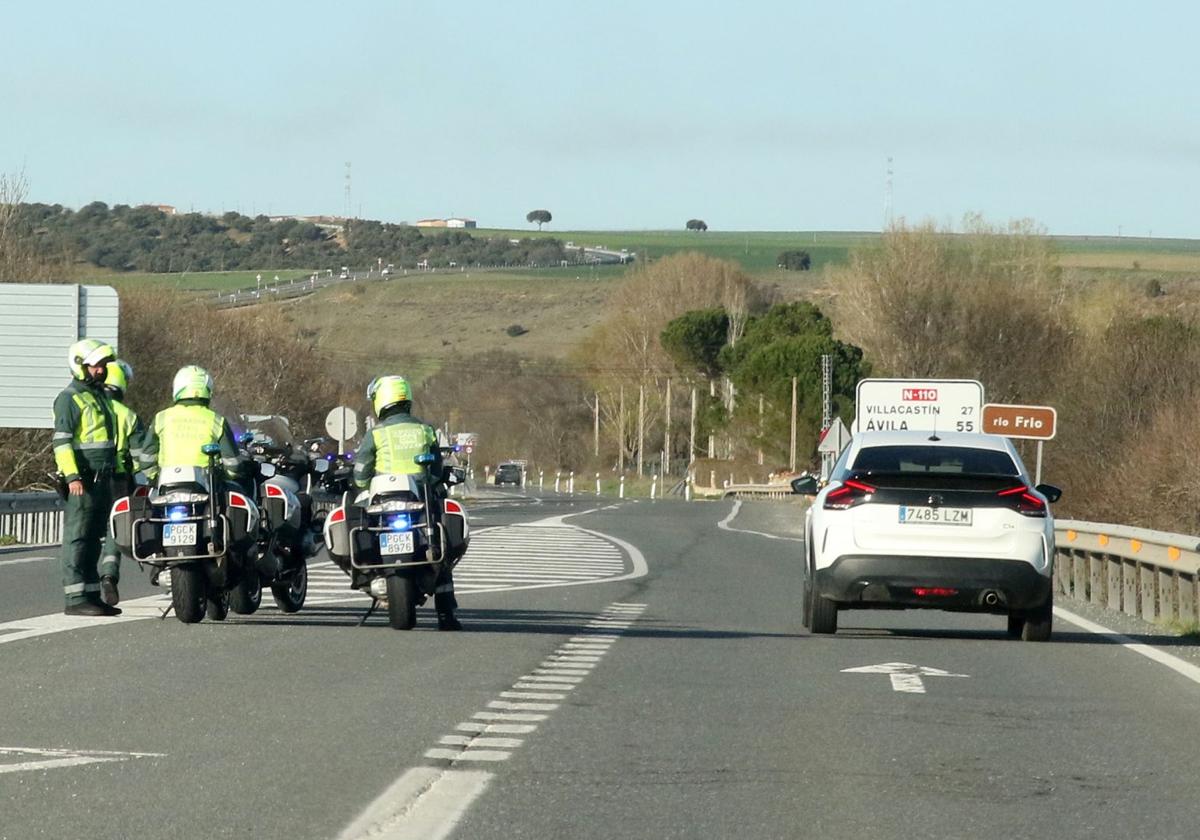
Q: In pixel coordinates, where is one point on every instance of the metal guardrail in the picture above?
(31, 518)
(758, 491)
(1153, 575)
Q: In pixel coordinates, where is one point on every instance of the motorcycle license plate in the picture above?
(400, 542)
(181, 533)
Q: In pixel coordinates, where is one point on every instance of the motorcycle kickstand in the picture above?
(367, 614)
(167, 611)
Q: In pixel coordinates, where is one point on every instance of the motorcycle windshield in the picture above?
(272, 431)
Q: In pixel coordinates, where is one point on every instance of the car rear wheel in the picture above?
(823, 613)
(1038, 623)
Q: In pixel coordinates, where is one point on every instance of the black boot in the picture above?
(86, 608)
(108, 591)
(447, 621)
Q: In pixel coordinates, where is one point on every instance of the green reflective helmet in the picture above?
(389, 390)
(191, 383)
(88, 352)
(120, 374)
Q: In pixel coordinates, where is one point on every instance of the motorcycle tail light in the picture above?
(338, 515)
(453, 507)
(122, 505)
(239, 501)
(274, 491)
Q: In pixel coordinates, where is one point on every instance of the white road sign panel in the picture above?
(342, 423)
(942, 405)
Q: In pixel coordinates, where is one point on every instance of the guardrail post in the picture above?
(621, 489)
(687, 488)
(571, 483)
(597, 484)
(1188, 598)
(1131, 600)
(540, 476)
(653, 485)
(1114, 585)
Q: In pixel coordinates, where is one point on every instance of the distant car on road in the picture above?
(928, 520)
(510, 474)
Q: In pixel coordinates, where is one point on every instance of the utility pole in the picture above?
(760, 429)
(692, 433)
(641, 425)
(667, 435)
(792, 460)
(621, 434)
(596, 426)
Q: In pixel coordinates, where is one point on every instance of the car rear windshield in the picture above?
(941, 460)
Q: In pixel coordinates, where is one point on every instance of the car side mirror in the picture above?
(1052, 493)
(805, 485)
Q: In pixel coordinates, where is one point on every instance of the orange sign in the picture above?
(1037, 422)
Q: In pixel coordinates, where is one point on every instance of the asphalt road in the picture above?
(667, 693)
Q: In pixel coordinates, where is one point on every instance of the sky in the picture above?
(755, 115)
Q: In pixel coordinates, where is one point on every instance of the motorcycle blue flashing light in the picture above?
(349, 456)
(177, 513)
(400, 522)
(425, 458)
(330, 457)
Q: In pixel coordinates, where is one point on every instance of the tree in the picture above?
(697, 224)
(694, 340)
(798, 260)
(541, 217)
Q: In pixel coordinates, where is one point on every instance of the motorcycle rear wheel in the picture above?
(246, 597)
(188, 593)
(290, 593)
(402, 602)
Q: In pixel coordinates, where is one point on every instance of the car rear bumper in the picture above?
(978, 585)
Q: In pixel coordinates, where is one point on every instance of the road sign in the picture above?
(940, 405)
(341, 424)
(1036, 422)
(38, 322)
(835, 438)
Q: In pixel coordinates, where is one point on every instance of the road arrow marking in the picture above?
(905, 677)
(49, 759)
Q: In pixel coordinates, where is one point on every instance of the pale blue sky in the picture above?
(750, 115)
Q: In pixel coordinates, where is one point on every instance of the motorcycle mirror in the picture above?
(321, 466)
(211, 448)
(141, 479)
(266, 470)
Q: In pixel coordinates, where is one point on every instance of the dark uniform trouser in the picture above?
(443, 590)
(110, 557)
(85, 521)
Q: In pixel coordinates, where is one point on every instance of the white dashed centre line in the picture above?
(427, 802)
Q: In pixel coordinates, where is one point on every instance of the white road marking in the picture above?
(737, 505)
(138, 609)
(551, 679)
(428, 802)
(905, 677)
(1176, 664)
(50, 759)
(17, 560)
(425, 803)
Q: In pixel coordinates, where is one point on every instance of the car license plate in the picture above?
(183, 533)
(935, 515)
(400, 542)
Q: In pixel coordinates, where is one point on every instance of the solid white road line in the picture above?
(17, 560)
(425, 803)
(737, 505)
(1176, 664)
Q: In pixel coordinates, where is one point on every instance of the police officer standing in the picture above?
(85, 452)
(389, 449)
(130, 439)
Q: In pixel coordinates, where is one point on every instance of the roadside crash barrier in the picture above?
(1153, 575)
(31, 518)
(754, 491)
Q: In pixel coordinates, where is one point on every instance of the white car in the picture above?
(930, 520)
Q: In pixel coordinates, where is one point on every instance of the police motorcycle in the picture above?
(287, 536)
(395, 538)
(197, 541)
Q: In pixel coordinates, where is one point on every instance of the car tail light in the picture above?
(338, 515)
(1023, 501)
(934, 592)
(122, 505)
(851, 493)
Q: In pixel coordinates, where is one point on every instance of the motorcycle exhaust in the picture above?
(991, 598)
